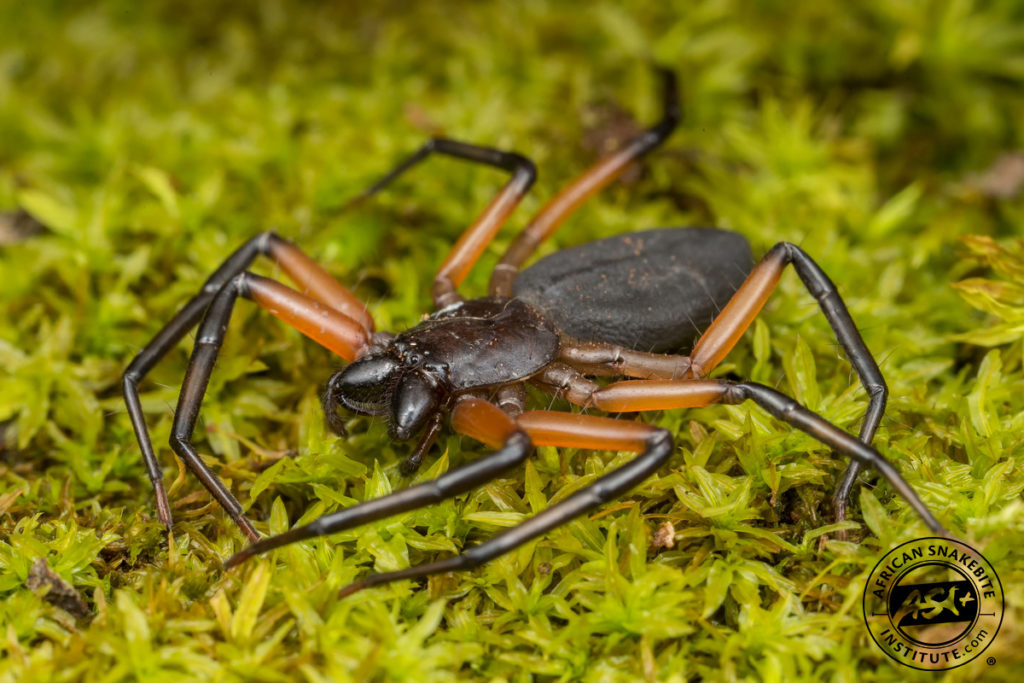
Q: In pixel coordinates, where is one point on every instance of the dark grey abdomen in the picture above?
(655, 290)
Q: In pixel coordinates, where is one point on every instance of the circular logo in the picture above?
(933, 603)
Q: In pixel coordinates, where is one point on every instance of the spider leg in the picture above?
(477, 236)
(426, 442)
(511, 398)
(642, 395)
(548, 428)
(324, 325)
(611, 360)
(594, 179)
(302, 270)
(739, 313)
(472, 416)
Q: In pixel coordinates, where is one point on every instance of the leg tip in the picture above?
(353, 587)
(839, 515)
(163, 508)
(239, 557)
(410, 465)
(355, 202)
(248, 529)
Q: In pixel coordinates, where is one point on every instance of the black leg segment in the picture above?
(342, 316)
(514, 452)
(788, 410)
(204, 356)
(514, 163)
(657, 451)
(164, 341)
(835, 311)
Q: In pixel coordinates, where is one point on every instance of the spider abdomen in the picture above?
(655, 290)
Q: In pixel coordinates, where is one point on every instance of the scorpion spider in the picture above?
(609, 308)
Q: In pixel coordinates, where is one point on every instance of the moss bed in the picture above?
(140, 142)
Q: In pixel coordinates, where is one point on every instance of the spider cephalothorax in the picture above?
(467, 346)
(605, 309)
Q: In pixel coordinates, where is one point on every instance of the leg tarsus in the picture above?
(788, 410)
(841, 497)
(156, 474)
(878, 396)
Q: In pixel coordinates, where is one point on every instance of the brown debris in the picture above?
(664, 537)
(18, 226)
(1004, 179)
(59, 592)
(612, 127)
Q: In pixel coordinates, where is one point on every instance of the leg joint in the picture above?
(735, 393)
(130, 378)
(660, 440)
(519, 442)
(788, 250)
(266, 239)
(179, 443)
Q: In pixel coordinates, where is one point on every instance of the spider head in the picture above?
(381, 385)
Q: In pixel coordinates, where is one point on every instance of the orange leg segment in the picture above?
(483, 421)
(472, 243)
(639, 395)
(728, 327)
(610, 360)
(550, 428)
(311, 278)
(323, 324)
(593, 180)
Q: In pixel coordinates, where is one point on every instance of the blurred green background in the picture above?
(141, 142)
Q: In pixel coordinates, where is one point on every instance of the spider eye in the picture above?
(363, 386)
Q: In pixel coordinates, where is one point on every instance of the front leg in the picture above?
(328, 327)
(652, 445)
(472, 416)
(302, 270)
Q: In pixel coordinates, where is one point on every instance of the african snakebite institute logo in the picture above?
(933, 603)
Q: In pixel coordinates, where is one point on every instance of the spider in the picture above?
(612, 308)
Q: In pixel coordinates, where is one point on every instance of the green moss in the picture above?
(150, 139)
